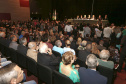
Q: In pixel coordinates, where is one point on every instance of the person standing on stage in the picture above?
(68, 29)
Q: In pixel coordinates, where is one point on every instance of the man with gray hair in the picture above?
(57, 47)
(83, 45)
(104, 55)
(13, 43)
(90, 75)
(46, 57)
(2, 38)
(32, 51)
(12, 74)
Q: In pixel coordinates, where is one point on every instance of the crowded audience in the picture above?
(92, 44)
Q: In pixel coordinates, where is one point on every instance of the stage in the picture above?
(87, 21)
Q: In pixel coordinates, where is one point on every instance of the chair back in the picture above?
(80, 62)
(21, 60)
(107, 73)
(57, 54)
(32, 66)
(61, 79)
(13, 55)
(44, 73)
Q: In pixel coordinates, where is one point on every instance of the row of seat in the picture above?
(44, 73)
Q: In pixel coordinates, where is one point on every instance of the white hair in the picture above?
(43, 48)
(31, 45)
(104, 54)
(91, 61)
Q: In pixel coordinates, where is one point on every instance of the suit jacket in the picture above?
(46, 59)
(73, 45)
(32, 53)
(22, 49)
(82, 54)
(88, 76)
(13, 45)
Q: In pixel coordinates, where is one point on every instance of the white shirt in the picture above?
(68, 28)
(98, 32)
(87, 30)
(107, 32)
(65, 49)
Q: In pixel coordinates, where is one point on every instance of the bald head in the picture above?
(84, 43)
(32, 45)
(2, 34)
(43, 48)
(68, 43)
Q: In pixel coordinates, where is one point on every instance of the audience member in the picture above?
(90, 75)
(57, 47)
(32, 51)
(13, 43)
(84, 53)
(12, 74)
(67, 68)
(104, 55)
(46, 57)
(67, 48)
(22, 46)
(100, 46)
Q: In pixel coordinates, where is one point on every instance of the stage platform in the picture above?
(86, 21)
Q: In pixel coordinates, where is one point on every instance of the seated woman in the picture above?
(95, 50)
(67, 68)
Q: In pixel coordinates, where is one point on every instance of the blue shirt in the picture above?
(58, 49)
(20, 36)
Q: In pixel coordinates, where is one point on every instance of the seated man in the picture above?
(82, 54)
(3, 39)
(90, 75)
(22, 46)
(46, 57)
(104, 55)
(83, 45)
(13, 43)
(73, 43)
(12, 74)
(57, 47)
(32, 52)
(100, 46)
(67, 48)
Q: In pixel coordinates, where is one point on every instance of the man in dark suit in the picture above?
(90, 75)
(3, 39)
(22, 47)
(46, 57)
(84, 53)
(73, 43)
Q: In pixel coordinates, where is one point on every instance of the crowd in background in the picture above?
(92, 43)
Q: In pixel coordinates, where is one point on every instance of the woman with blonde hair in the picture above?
(95, 49)
(67, 68)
